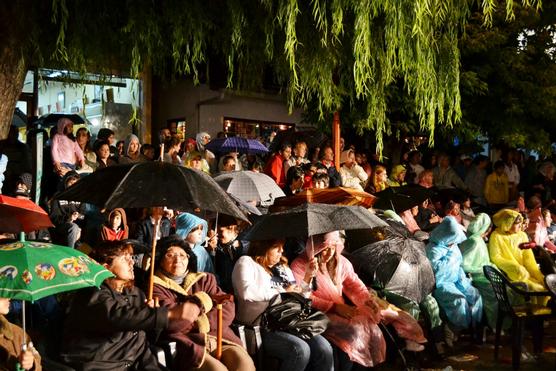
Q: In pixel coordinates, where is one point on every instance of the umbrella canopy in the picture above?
(250, 186)
(51, 119)
(393, 198)
(334, 196)
(151, 184)
(21, 215)
(311, 219)
(244, 206)
(19, 118)
(33, 270)
(236, 144)
(397, 263)
(313, 138)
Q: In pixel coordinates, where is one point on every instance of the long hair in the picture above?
(258, 250)
(379, 169)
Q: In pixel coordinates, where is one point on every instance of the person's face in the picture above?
(300, 150)
(104, 152)
(190, 147)
(116, 220)
(165, 134)
(133, 146)
(548, 219)
(120, 148)
(175, 261)
(499, 171)
(287, 153)
(82, 138)
(111, 139)
(206, 139)
(444, 162)
(149, 153)
(415, 210)
(227, 234)
(230, 165)
(382, 177)
(71, 181)
(274, 254)
(327, 254)
(401, 177)
(4, 306)
(69, 129)
(428, 178)
(196, 163)
(342, 143)
(359, 158)
(196, 236)
(122, 267)
(467, 203)
(328, 154)
(516, 227)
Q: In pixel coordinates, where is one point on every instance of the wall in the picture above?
(205, 109)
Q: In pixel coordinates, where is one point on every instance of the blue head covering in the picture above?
(448, 232)
(185, 223)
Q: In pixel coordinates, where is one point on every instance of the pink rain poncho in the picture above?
(360, 337)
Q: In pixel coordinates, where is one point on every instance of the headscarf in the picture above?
(199, 139)
(505, 219)
(322, 241)
(185, 223)
(396, 171)
(448, 232)
(62, 123)
(478, 225)
(127, 142)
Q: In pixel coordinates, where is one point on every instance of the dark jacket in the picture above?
(144, 230)
(225, 258)
(105, 330)
(190, 342)
(333, 174)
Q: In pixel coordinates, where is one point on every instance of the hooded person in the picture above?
(176, 280)
(456, 296)
(202, 139)
(66, 153)
(475, 256)
(505, 252)
(115, 228)
(64, 215)
(397, 176)
(194, 231)
(132, 151)
(353, 328)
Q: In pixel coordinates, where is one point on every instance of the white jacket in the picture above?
(352, 178)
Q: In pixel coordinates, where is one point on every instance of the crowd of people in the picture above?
(474, 217)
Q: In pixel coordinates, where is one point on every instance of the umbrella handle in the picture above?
(219, 331)
(153, 252)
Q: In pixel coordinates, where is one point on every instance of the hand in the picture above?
(186, 311)
(311, 270)
(26, 358)
(212, 240)
(344, 310)
(293, 288)
(153, 303)
(146, 263)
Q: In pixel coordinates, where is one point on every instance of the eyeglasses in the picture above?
(180, 256)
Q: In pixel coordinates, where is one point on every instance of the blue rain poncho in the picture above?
(185, 223)
(454, 293)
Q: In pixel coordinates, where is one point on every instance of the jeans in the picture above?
(296, 354)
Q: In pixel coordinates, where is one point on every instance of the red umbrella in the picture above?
(331, 196)
(21, 215)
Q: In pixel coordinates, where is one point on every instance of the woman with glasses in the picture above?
(354, 322)
(177, 281)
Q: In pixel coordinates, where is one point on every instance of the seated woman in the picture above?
(194, 231)
(353, 327)
(257, 278)
(505, 252)
(176, 279)
(427, 219)
(475, 256)
(115, 228)
(459, 300)
(106, 329)
(11, 338)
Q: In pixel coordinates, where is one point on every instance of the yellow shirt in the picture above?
(497, 189)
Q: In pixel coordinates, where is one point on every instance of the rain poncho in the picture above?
(396, 171)
(185, 223)
(519, 265)
(459, 300)
(475, 256)
(359, 337)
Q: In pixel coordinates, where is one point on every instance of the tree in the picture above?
(330, 53)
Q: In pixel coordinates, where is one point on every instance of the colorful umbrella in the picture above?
(334, 196)
(21, 215)
(32, 270)
(236, 144)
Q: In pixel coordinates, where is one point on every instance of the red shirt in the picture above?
(275, 169)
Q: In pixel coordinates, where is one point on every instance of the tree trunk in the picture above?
(12, 76)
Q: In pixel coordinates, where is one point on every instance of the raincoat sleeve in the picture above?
(444, 263)
(353, 287)
(531, 265)
(505, 259)
(249, 282)
(298, 269)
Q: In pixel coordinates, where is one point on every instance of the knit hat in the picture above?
(27, 179)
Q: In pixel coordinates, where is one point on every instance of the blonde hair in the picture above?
(379, 169)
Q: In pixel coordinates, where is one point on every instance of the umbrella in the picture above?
(32, 270)
(244, 206)
(21, 215)
(335, 196)
(250, 186)
(19, 118)
(51, 119)
(311, 219)
(444, 195)
(393, 199)
(397, 263)
(152, 184)
(236, 144)
(313, 138)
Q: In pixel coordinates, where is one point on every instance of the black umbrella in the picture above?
(19, 118)
(51, 119)
(311, 219)
(397, 263)
(313, 138)
(151, 184)
(392, 199)
(444, 194)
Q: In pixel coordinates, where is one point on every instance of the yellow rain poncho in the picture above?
(519, 265)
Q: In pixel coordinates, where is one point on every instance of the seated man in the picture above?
(106, 329)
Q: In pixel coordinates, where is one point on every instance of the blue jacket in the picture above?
(185, 223)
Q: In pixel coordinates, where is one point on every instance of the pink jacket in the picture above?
(63, 148)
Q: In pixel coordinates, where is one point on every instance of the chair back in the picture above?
(499, 285)
(550, 281)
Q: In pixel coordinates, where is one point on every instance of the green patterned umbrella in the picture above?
(32, 270)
